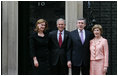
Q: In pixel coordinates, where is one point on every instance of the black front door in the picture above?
(105, 13)
(29, 13)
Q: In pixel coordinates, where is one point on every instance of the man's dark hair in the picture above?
(82, 19)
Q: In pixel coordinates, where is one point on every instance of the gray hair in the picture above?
(61, 19)
(82, 19)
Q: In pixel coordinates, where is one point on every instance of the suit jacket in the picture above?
(56, 52)
(79, 54)
(99, 50)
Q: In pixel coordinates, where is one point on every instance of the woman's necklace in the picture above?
(96, 40)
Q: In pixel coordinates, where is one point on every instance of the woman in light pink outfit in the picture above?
(98, 52)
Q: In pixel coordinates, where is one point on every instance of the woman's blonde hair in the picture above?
(97, 26)
(41, 21)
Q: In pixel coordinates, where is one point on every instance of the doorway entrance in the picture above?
(29, 13)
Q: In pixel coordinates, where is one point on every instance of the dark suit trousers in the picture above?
(59, 69)
(76, 70)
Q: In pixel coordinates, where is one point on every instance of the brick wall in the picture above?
(105, 13)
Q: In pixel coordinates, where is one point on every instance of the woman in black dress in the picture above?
(39, 49)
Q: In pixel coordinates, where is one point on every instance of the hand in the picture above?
(39, 24)
(69, 64)
(36, 64)
(105, 70)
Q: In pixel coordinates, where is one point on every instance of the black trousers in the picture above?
(59, 69)
(76, 70)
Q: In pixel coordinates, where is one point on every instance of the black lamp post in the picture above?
(90, 19)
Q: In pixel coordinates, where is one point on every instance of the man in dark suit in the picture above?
(79, 53)
(58, 41)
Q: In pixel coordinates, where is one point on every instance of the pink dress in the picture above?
(98, 56)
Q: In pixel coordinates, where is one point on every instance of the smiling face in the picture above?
(97, 32)
(41, 26)
(60, 25)
(81, 24)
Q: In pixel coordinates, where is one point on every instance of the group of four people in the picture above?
(80, 50)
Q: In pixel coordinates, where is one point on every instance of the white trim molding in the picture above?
(9, 37)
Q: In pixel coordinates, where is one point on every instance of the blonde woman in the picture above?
(98, 52)
(39, 48)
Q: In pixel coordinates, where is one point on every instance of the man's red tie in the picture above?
(60, 39)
